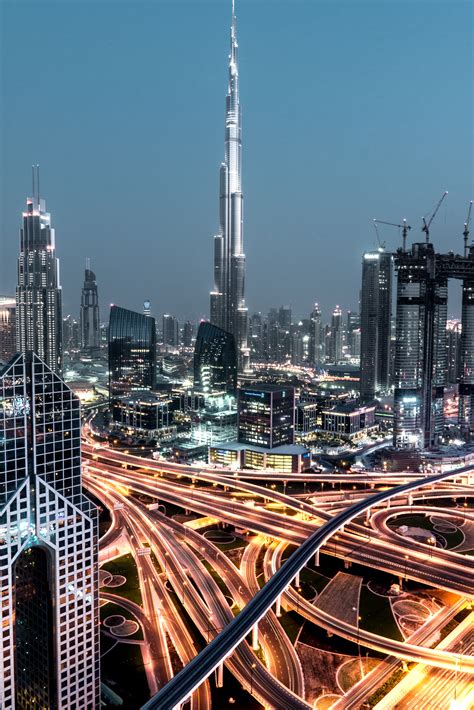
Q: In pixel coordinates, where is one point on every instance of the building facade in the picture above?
(38, 293)
(7, 328)
(266, 415)
(376, 307)
(49, 654)
(132, 351)
(227, 306)
(90, 323)
(215, 361)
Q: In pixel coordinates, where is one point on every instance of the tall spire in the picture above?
(228, 310)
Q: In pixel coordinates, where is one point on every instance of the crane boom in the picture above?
(405, 227)
(426, 225)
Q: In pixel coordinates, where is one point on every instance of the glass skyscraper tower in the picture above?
(228, 309)
(38, 294)
(376, 312)
(49, 625)
(132, 351)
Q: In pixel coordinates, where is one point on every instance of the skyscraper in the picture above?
(227, 306)
(7, 328)
(38, 294)
(266, 415)
(316, 338)
(420, 356)
(336, 337)
(90, 323)
(377, 267)
(49, 618)
(170, 331)
(215, 361)
(132, 351)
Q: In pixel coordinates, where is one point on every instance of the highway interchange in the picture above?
(180, 570)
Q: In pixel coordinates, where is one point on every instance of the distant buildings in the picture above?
(8, 345)
(316, 338)
(132, 351)
(49, 615)
(188, 334)
(170, 331)
(38, 293)
(90, 323)
(336, 337)
(375, 330)
(227, 300)
(215, 361)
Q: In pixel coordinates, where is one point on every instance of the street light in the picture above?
(252, 667)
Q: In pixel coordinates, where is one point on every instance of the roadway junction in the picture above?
(189, 585)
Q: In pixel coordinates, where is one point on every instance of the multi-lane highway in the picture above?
(212, 589)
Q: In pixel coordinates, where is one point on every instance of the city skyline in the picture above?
(304, 273)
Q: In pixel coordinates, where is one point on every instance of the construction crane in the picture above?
(426, 225)
(381, 244)
(404, 227)
(466, 228)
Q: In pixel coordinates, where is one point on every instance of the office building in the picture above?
(170, 331)
(90, 323)
(215, 361)
(316, 338)
(7, 328)
(49, 612)
(132, 351)
(227, 307)
(215, 422)
(266, 415)
(453, 351)
(38, 293)
(336, 337)
(420, 356)
(188, 334)
(147, 308)
(375, 331)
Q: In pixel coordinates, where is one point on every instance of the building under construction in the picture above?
(421, 356)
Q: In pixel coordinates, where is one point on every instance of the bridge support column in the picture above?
(220, 676)
(388, 503)
(278, 605)
(255, 644)
(316, 558)
(410, 499)
(368, 514)
(297, 579)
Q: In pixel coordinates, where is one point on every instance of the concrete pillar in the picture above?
(388, 502)
(410, 499)
(255, 644)
(220, 676)
(316, 558)
(367, 514)
(297, 579)
(278, 605)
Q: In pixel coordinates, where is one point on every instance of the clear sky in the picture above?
(351, 110)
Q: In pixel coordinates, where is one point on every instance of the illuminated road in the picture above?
(327, 520)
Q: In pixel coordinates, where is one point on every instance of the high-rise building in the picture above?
(90, 324)
(132, 351)
(147, 308)
(453, 350)
(170, 331)
(316, 338)
(256, 340)
(228, 310)
(336, 338)
(266, 415)
(7, 328)
(375, 332)
(215, 360)
(420, 356)
(71, 332)
(49, 611)
(38, 293)
(188, 334)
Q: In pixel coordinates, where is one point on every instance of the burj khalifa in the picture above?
(228, 309)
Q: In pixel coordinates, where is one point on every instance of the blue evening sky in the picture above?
(351, 110)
